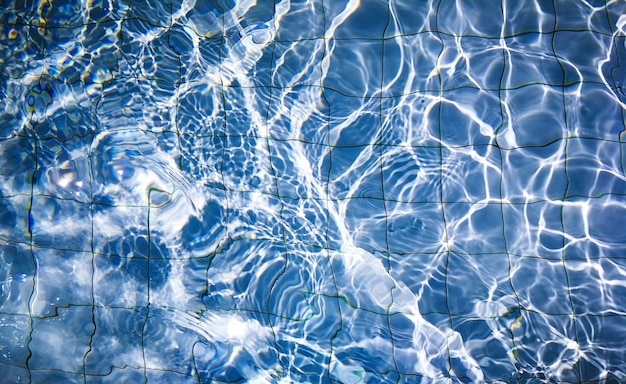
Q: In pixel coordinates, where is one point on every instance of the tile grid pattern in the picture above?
(36, 249)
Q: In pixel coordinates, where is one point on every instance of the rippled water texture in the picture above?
(319, 191)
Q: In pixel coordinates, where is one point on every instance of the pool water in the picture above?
(314, 191)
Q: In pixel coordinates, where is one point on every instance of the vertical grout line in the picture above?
(224, 136)
(621, 139)
(30, 225)
(328, 199)
(441, 179)
(149, 246)
(271, 316)
(30, 222)
(148, 259)
(503, 119)
(177, 85)
(91, 243)
(566, 192)
(381, 146)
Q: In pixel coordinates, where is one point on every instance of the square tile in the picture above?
(469, 117)
(180, 284)
(366, 21)
(236, 105)
(596, 287)
(64, 170)
(599, 222)
(488, 276)
(307, 223)
(545, 346)
(492, 353)
(346, 114)
(475, 228)
(581, 62)
(593, 112)
(407, 19)
(593, 170)
(452, 19)
(364, 340)
(433, 295)
(413, 228)
(415, 269)
(117, 341)
(532, 126)
(471, 175)
(583, 16)
(475, 62)
(252, 58)
(320, 325)
(127, 92)
(541, 285)
(353, 68)
(359, 127)
(61, 342)
(17, 277)
(202, 234)
(363, 280)
(534, 174)
(304, 21)
(522, 19)
(411, 64)
(15, 333)
(100, 30)
(298, 68)
(202, 158)
(17, 165)
(355, 173)
(14, 218)
(412, 120)
(535, 230)
(127, 272)
(197, 113)
(112, 223)
(139, 59)
(365, 219)
(290, 290)
(411, 174)
(530, 59)
(299, 169)
(237, 284)
(245, 165)
(413, 334)
(602, 353)
(168, 346)
(64, 278)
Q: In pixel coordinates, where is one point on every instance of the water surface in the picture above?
(312, 191)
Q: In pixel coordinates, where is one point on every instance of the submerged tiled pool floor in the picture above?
(312, 191)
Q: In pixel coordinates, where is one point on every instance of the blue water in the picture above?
(315, 191)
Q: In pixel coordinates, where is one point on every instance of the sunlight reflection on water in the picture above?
(312, 192)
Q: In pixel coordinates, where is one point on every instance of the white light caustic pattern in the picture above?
(312, 191)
